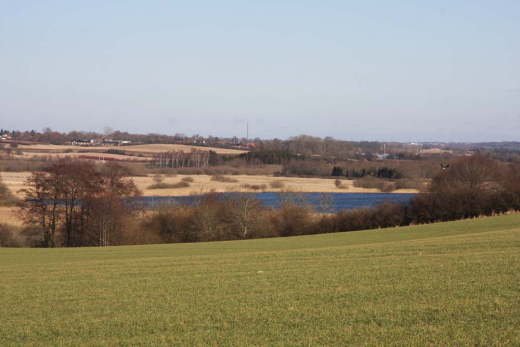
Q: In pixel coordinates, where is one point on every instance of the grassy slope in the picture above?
(444, 284)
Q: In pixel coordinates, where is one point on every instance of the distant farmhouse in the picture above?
(110, 142)
(82, 142)
(103, 142)
(435, 150)
(382, 155)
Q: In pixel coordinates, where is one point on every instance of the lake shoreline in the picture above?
(340, 201)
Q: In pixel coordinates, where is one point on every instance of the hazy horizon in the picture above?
(443, 71)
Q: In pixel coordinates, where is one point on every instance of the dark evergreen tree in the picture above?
(337, 171)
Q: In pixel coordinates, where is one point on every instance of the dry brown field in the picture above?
(135, 149)
(99, 156)
(14, 180)
(203, 183)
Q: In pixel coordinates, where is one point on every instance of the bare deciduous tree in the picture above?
(180, 159)
(158, 179)
(108, 131)
(245, 212)
(472, 173)
(41, 205)
(64, 197)
(325, 204)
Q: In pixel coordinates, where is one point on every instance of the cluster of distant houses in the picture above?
(234, 142)
(102, 142)
(4, 137)
(197, 141)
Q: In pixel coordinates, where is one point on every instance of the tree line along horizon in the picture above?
(301, 144)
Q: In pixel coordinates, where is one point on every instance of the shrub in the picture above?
(160, 186)
(383, 215)
(220, 178)
(7, 238)
(409, 183)
(158, 179)
(294, 216)
(187, 179)
(228, 170)
(343, 186)
(261, 187)
(267, 156)
(337, 171)
(370, 182)
(115, 151)
(6, 197)
(307, 168)
(190, 171)
(32, 235)
(140, 233)
(171, 223)
(277, 184)
(180, 184)
(167, 171)
(452, 205)
(380, 172)
(135, 169)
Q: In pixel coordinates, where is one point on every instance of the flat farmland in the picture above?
(446, 284)
(203, 183)
(15, 181)
(98, 156)
(135, 149)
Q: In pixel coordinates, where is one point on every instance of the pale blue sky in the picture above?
(373, 70)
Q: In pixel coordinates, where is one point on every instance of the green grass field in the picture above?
(450, 284)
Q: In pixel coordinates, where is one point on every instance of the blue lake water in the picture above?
(341, 201)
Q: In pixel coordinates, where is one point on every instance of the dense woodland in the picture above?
(181, 159)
